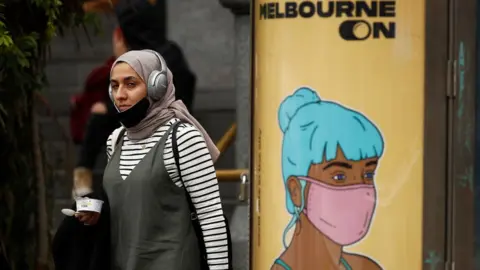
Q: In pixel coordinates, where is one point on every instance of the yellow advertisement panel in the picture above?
(338, 134)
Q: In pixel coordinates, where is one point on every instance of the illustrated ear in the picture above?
(295, 189)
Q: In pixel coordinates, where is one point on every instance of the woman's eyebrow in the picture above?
(371, 163)
(127, 78)
(338, 164)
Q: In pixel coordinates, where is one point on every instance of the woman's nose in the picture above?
(121, 94)
(359, 179)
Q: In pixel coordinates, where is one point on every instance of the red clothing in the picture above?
(95, 90)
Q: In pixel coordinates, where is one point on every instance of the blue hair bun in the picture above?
(290, 105)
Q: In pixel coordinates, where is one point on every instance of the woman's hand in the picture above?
(88, 210)
(88, 217)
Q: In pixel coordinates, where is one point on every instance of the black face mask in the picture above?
(135, 114)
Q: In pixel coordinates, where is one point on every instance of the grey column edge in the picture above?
(240, 224)
(238, 7)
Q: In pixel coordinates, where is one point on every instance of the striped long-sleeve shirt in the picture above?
(199, 178)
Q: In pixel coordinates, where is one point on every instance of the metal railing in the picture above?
(232, 175)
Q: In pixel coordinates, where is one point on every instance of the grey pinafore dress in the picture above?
(151, 227)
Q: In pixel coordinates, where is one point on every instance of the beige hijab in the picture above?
(160, 111)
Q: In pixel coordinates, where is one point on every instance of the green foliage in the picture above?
(26, 30)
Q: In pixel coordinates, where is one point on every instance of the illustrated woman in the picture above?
(329, 157)
(148, 185)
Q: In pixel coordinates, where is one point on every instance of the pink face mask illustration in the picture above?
(342, 213)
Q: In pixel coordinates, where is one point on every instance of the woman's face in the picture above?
(127, 87)
(337, 172)
(343, 172)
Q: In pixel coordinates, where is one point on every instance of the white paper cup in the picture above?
(91, 205)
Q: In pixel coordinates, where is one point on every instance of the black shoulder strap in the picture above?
(193, 212)
(120, 136)
(195, 223)
(176, 156)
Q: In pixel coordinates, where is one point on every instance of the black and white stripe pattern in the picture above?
(198, 174)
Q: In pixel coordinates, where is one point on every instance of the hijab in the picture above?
(162, 110)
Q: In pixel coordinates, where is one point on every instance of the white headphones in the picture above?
(157, 82)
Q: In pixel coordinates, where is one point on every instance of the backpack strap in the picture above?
(195, 222)
(116, 136)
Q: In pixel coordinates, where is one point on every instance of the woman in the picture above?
(140, 29)
(142, 26)
(147, 187)
(329, 157)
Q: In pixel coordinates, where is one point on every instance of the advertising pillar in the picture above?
(338, 134)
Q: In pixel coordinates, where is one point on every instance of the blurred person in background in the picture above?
(93, 115)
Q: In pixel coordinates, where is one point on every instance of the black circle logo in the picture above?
(355, 30)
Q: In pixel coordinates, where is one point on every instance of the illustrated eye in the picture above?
(339, 177)
(369, 175)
